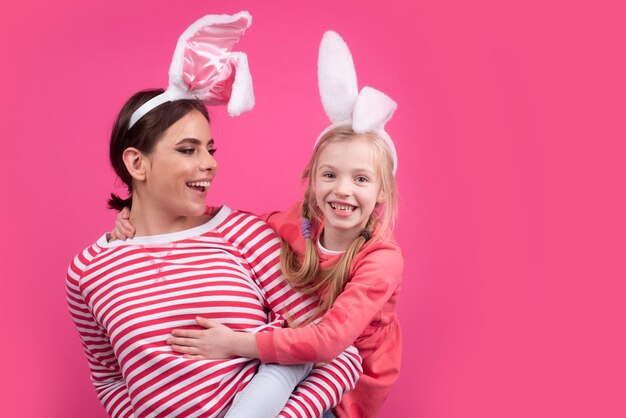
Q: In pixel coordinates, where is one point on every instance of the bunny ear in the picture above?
(337, 77)
(242, 95)
(372, 110)
(202, 66)
(367, 111)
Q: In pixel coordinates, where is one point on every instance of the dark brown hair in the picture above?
(144, 134)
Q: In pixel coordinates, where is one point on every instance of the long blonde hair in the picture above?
(305, 273)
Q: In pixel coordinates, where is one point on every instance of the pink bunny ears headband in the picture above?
(205, 68)
(365, 111)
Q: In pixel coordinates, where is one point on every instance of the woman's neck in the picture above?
(151, 220)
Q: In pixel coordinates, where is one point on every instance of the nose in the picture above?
(342, 187)
(207, 161)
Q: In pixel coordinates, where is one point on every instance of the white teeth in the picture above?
(199, 184)
(343, 208)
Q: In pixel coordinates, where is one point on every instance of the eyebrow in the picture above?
(328, 166)
(195, 141)
(358, 170)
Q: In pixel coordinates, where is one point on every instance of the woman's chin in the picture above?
(197, 210)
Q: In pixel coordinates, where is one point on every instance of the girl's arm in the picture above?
(376, 277)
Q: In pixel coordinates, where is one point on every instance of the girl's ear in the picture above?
(135, 163)
(381, 196)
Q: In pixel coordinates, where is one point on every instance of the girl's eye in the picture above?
(361, 179)
(328, 175)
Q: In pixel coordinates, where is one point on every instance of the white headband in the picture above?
(205, 68)
(367, 111)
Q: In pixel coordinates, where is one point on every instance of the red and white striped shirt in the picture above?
(126, 297)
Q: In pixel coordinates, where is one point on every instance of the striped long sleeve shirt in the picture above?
(126, 297)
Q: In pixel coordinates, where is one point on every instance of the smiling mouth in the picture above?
(199, 185)
(342, 208)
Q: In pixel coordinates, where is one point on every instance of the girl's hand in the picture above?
(123, 228)
(214, 342)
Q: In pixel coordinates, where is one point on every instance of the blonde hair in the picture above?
(304, 273)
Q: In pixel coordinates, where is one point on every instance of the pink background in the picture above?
(510, 132)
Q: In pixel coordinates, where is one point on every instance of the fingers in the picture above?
(123, 228)
(187, 333)
(116, 234)
(207, 323)
(187, 342)
(194, 357)
(185, 350)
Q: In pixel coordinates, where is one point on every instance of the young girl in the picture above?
(344, 252)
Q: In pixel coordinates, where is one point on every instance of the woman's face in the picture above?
(181, 167)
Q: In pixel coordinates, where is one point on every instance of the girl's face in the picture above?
(347, 189)
(181, 168)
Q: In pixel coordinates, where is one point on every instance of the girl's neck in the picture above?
(150, 221)
(335, 240)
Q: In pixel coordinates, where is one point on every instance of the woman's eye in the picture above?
(187, 151)
(212, 151)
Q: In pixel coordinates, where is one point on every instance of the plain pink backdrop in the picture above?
(510, 134)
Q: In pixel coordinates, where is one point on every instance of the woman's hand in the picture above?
(123, 228)
(215, 342)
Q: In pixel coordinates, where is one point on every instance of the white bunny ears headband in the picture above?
(205, 68)
(365, 111)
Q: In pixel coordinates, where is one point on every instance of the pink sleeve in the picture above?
(375, 278)
(287, 225)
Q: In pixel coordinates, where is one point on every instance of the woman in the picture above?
(126, 297)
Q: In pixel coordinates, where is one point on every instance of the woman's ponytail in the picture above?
(117, 203)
